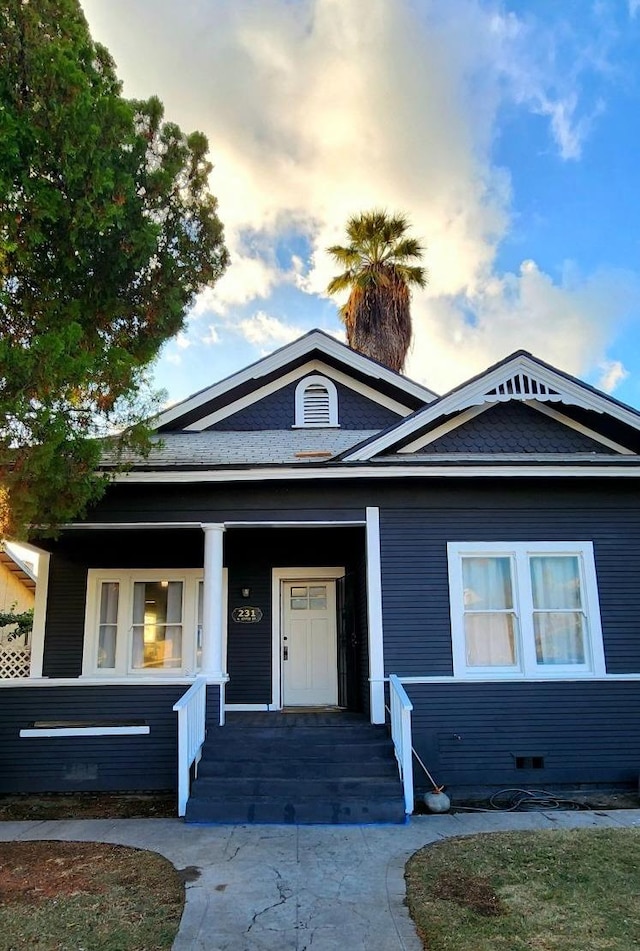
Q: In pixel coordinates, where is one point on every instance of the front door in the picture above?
(309, 643)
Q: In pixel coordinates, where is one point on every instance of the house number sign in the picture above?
(246, 615)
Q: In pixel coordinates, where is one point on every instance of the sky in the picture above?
(507, 132)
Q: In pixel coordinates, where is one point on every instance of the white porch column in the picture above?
(39, 613)
(213, 663)
(374, 604)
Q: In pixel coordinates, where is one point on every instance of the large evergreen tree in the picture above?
(107, 232)
(379, 272)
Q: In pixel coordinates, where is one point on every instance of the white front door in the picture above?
(309, 643)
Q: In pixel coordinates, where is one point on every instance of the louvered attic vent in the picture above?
(316, 410)
(521, 386)
(316, 402)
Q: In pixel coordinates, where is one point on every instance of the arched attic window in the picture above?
(316, 403)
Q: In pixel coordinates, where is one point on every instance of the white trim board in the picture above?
(278, 575)
(316, 340)
(87, 731)
(381, 471)
(374, 612)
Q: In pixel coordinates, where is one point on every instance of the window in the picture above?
(316, 403)
(524, 610)
(143, 622)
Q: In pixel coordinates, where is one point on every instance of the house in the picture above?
(318, 532)
(17, 596)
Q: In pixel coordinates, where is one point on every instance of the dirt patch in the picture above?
(42, 806)
(31, 872)
(469, 891)
(87, 895)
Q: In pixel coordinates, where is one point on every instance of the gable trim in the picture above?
(442, 430)
(315, 340)
(482, 390)
(543, 408)
(313, 366)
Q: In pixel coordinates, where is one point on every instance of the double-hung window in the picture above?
(143, 622)
(524, 610)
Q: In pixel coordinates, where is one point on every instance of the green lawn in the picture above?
(564, 890)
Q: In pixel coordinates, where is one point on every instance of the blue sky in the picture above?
(509, 133)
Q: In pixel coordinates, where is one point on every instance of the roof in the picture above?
(520, 415)
(267, 447)
(18, 568)
(519, 377)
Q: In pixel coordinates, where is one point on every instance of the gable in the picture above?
(520, 385)
(277, 411)
(511, 427)
(374, 397)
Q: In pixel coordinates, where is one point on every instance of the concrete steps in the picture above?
(297, 768)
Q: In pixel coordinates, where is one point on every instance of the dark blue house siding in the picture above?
(414, 560)
(91, 763)
(469, 735)
(277, 411)
(65, 618)
(512, 427)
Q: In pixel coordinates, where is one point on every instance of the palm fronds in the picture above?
(379, 270)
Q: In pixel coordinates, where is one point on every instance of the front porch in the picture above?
(289, 767)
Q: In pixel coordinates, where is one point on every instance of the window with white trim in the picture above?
(143, 622)
(316, 403)
(524, 610)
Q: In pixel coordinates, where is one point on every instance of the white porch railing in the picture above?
(400, 712)
(191, 709)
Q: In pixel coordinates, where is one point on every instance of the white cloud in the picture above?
(182, 341)
(321, 108)
(613, 373)
(212, 337)
(567, 324)
(262, 330)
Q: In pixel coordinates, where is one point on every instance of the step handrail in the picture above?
(191, 710)
(400, 714)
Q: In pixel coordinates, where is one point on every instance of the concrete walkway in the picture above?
(295, 888)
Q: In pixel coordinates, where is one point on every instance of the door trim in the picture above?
(278, 575)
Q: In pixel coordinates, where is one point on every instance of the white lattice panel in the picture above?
(14, 662)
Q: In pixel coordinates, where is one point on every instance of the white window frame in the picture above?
(528, 668)
(301, 389)
(190, 577)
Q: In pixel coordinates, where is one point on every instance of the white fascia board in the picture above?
(415, 470)
(272, 363)
(473, 394)
(312, 366)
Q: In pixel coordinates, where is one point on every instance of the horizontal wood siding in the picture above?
(471, 734)
(90, 763)
(66, 604)
(414, 561)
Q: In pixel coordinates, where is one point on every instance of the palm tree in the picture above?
(378, 272)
